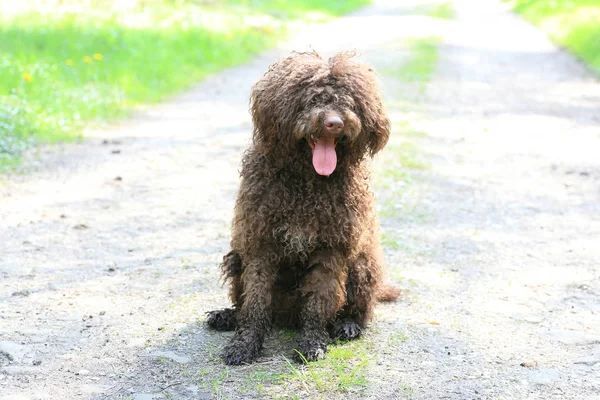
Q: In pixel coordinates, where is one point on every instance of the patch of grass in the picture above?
(393, 175)
(216, 383)
(423, 60)
(393, 170)
(288, 334)
(163, 360)
(66, 67)
(391, 242)
(573, 24)
(408, 155)
(407, 212)
(441, 10)
(341, 371)
(400, 156)
(302, 8)
(397, 338)
(405, 128)
(185, 266)
(258, 379)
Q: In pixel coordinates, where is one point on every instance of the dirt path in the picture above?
(108, 257)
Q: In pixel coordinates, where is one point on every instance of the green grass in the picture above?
(394, 172)
(573, 24)
(423, 61)
(342, 372)
(343, 369)
(62, 70)
(402, 155)
(397, 338)
(301, 8)
(441, 10)
(391, 242)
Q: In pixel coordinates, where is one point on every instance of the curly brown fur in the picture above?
(305, 250)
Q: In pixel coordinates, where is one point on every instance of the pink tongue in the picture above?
(324, 157)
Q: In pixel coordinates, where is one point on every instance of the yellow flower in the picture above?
(98, 56)
(27, 76)
(69, 62)
(87, 59)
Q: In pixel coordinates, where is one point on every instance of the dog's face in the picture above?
(333, 107)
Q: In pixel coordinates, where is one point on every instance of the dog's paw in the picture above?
(222, 320)
(311, 348)
(346, 330)
(311, 354)
(236, 355)
(241, 350)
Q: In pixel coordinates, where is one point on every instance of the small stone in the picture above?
(12, 351)
(544, 376)
(143, 396)
(172, 356)
(588, 360)
(576, 338)
(102, 313)
(21, 293)
(15, 370)
(533, 319)
(37, 362)
(529, 364)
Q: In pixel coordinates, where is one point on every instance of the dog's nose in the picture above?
(333, 125)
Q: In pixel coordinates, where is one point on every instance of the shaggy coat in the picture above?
(305, 249)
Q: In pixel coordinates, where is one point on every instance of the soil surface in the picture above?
(109, 248)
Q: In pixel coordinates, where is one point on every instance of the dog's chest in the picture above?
(306, 217)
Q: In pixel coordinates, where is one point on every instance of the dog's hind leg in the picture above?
(323, 295)
(226, 319)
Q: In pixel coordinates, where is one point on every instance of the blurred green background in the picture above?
(67, 64)
(573, 24)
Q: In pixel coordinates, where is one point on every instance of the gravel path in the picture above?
(108, 255)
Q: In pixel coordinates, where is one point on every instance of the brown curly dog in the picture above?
(305, 249)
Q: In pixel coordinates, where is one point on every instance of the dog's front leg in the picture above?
(255, 313)
(323, 295)
(363, 282)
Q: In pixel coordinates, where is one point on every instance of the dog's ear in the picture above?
(361, 80)
(264, 133)
(379, 134)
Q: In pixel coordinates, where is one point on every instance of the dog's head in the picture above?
(333, 107)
